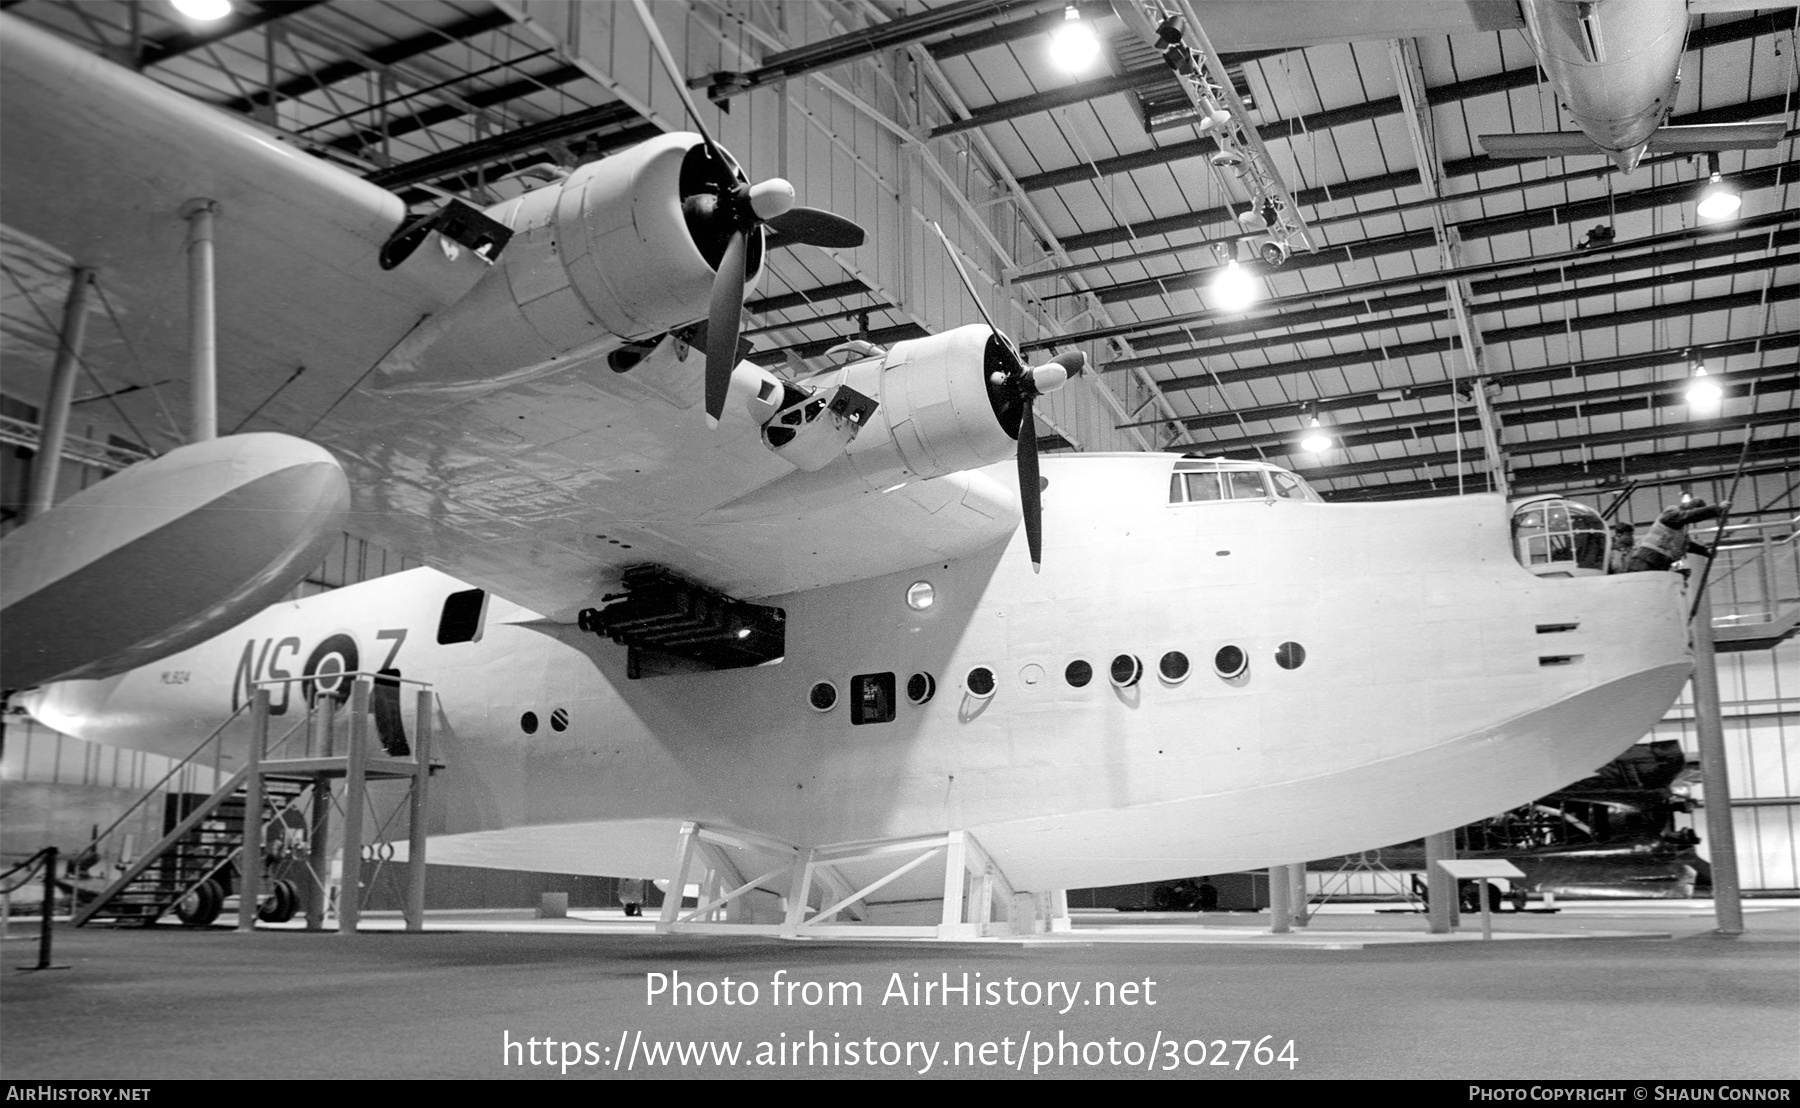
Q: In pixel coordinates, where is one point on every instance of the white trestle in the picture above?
(831, 891)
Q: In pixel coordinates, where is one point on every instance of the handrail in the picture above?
(149, 857)
(298, 728)
(315, 678)
(93, 847)
(1789, 524)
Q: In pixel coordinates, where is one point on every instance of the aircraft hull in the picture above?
(1441, 683)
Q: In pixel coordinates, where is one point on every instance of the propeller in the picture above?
(1012, 387)
(724, 213)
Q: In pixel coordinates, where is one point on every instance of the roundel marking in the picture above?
(325, 667)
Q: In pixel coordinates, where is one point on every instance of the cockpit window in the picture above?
(1287, 485)
(1203, 486)
(1245, 484)
(1206, 479)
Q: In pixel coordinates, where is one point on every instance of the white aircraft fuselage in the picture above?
(1440, 682)
(1613, 63)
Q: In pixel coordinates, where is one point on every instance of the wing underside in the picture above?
(539, 490)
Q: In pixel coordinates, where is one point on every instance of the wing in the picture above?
(101, 164)
(1260, 25)
(532, 426)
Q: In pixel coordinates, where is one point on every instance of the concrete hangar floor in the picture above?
(1637, 990)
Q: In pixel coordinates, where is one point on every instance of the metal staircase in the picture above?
(261, 832)
(194, 868)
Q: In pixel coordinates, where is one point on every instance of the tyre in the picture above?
(201, 904)
(281, 903)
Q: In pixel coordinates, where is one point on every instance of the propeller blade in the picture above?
(967, 284)
(722, 323)
(816, 228)
(1030, 500)
(1074, 361)
(674, 71)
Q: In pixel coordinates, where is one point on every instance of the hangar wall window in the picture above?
(872, 698)
(461, 619)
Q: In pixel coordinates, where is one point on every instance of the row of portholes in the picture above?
(559, 721)
(1230, 663)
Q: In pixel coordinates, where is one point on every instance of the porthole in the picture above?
(1079, 673)
(1173, 667)
(1126, 670)
(559, 720)
(1290, 655)
(919, 595)
(823, 697)
(921, 687)
(980, 682)
(528, 723)
(1230, 662)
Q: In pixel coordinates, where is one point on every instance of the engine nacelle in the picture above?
(933, 416)
(602, 257)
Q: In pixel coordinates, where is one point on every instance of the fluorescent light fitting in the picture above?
(1074, 45)
(1703, 393)
(1234, 288)
(205, 11)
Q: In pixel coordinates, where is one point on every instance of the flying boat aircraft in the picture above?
(895, 619)
(1615, 66)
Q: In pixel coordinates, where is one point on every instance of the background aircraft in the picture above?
(1615, 65)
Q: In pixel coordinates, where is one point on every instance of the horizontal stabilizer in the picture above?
(1701, 138)
(1539, 144)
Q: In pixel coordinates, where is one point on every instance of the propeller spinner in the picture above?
(1012, 387)
(723, 207)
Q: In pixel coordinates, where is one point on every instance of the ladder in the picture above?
(194, 868)
(235, 838)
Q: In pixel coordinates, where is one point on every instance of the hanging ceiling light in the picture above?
(1234, 288)
(1702, 391)
(1074, 45)
(1316, 440)
(1718, 200)
(203, 10)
